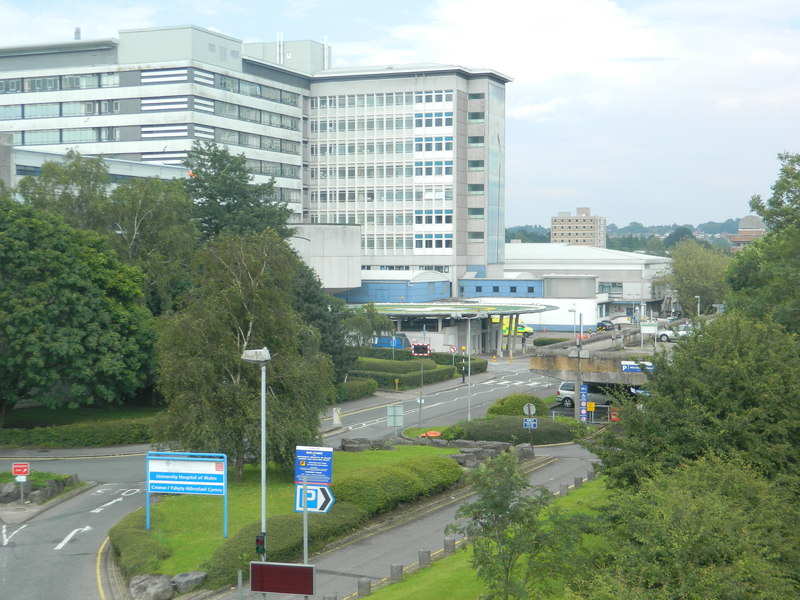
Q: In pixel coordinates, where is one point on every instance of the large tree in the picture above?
(152, 228)
(711, 529)
(764, 276)
(225, 196)
(728, 388)
(698, 270)
(244, 289)
(76, 189)
(73, 325)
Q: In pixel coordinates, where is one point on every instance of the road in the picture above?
(58, 552)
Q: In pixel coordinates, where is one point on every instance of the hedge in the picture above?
(138, 550)
(81, 435)
(359, 495)
(355, 388)
(409, 380)
(510, 429)
(545, 341)
(511, 406)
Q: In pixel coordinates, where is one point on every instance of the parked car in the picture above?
(673, 335)
(597, 393)
(605, 325)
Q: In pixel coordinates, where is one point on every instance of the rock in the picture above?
(524, 451)
(463, 444)
(9, 492)
(186, 582)
(151, 587)
(356, 444)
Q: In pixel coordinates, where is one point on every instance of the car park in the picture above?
(566, 395)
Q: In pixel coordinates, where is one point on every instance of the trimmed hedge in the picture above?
(81, 435)
(138, 550)
(359, 495)
(545, 341)
(287, 546)
(393, 366)
(355, 388)
(408, 380)
(510, 429)
(511, 406)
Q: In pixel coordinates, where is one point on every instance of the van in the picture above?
(597, 393)
(522, 329)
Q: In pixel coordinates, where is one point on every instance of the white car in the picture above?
(669, 335)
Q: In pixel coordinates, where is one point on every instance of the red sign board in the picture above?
(282, 578)
(20, 469)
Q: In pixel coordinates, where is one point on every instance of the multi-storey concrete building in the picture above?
(411, 157)
(581, 230)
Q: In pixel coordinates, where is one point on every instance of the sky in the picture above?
(654, 111)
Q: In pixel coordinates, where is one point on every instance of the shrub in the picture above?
(138, 550)
(510, 429)
(284, 546)
(511, 406)
(355, 388)
(80, 435)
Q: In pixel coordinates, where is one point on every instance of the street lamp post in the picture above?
(469, 362)
(698, 305)
(261, 357)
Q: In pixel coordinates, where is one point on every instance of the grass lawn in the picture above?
(40, 416)
(453, 576)
(191, 526)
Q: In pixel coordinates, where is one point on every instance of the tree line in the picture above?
(152, 289)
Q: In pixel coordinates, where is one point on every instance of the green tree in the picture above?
(242, 299)
(728, 388)
(152, 228)
(226, 198)
(655, 246)
(763, 276)
(712, 529)
(76, 189)
(515, 533)
(698, 270)
(74, 329)
(680, 234)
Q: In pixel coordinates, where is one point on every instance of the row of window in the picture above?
(440, 194)
(59, 109)
(361, 148)
(253, 140)
(273, 169)
(496, 289)
(433, 144)
(361, 124)
(255, 90)
(439, 119)
(254, 115)
(370, 172)
(66, 136)
(56, 82)
(433, 167)
(382, 99)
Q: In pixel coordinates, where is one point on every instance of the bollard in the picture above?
(590, 476)
(424, 558)
(364, 586)
(449, 545)
(564, 490)
(396, 573)
(578, 482)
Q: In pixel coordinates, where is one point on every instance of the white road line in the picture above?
(7, 538)
(69, 536)
(100, 508)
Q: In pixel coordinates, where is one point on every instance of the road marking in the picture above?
(69, 536)
(100, 508)
(97, 570)
(7, 538)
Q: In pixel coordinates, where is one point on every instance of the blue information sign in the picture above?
(529, 423)
(314, 463)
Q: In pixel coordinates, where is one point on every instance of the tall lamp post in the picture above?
(698, 305)
(261, 357)
(469, 361)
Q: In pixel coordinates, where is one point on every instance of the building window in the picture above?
(478, 288)
(530, 289)
(11, 111)
(42, 84)
(474, 213)
(479, 96)
(475, 117)
(45, 136)
(40, 111)
(513, 289)
(475, 141)
(495, 289)
(474, 236)
(474, 188)
(10, 86)
(475, 165)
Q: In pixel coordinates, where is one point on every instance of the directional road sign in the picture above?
(529, 423)
(21, 469)
(319, 498)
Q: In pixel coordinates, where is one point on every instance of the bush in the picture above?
(511, 406)
(355, 388)
(237, 552)
(138, 550)
(510, 429)
(386, 380)
(81, 435)
(544, 341)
